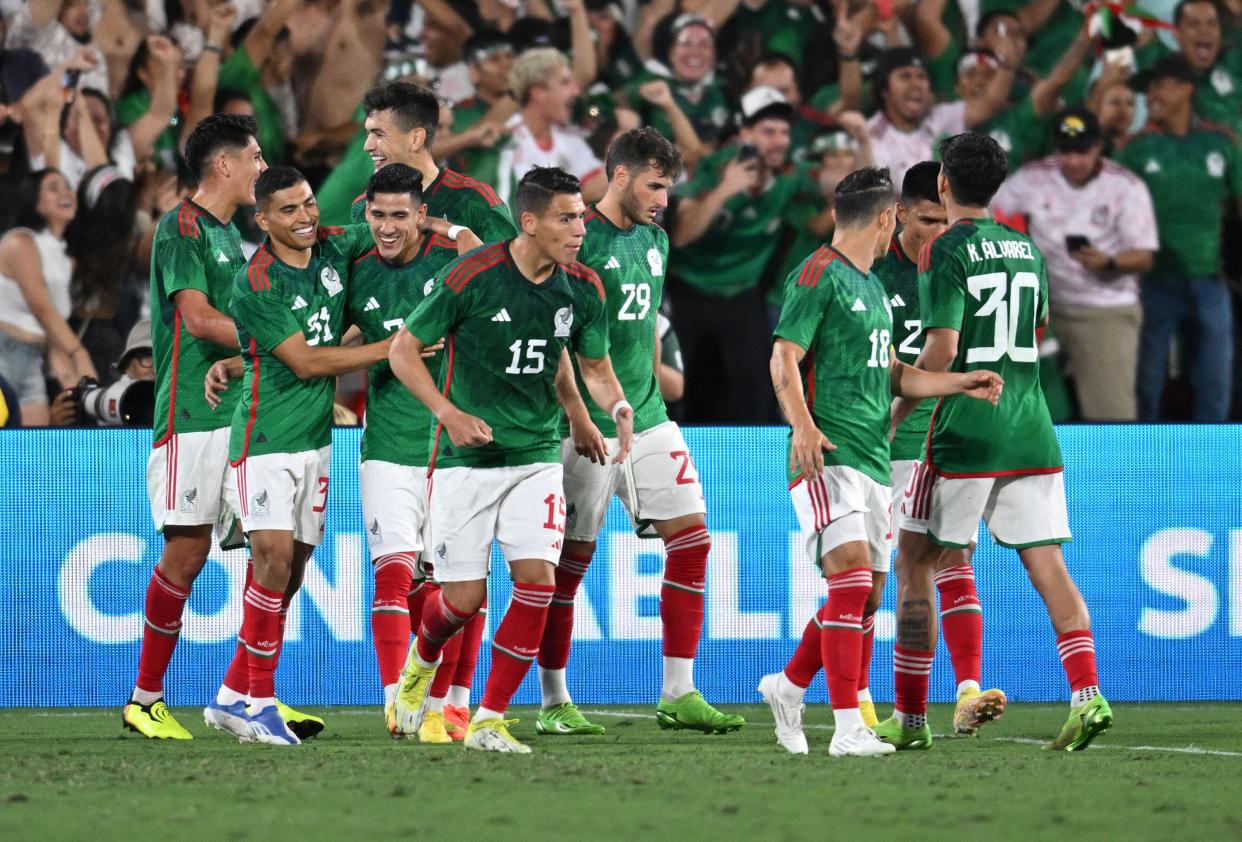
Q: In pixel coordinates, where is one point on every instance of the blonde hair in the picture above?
(534, 67)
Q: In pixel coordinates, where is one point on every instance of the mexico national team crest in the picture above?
(1216, 164)
(375, 535)
(655, 261)
(563, 321)
(261, 504)
(331, 281)
(189, 501)
(429, 286)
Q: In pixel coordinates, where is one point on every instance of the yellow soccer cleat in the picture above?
(493, 735)
(433, 729)
(154, 721)
(390, 721)
(410, 704)
(867, 709)
(976, 708)
(303, 725)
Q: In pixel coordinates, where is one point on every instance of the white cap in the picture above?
(759, 98)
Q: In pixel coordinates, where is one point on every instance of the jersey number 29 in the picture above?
(636, 304)
(1003, 303)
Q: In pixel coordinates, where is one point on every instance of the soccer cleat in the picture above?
(1085, 723)
(266, 726)
(302, 724)
(432, 730)
(867, 709)
(410, 703)
(390, 722)
(789, 734)
(493, 735)
(565, 718)
(975, 708)
(231, 718)
(859, 741)
(904, 739)
(692, 712)
(154, 721)
(456, 721)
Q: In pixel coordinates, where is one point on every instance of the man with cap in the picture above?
(1190, 168)
(1094, 223)
(479, 121)
(135, 363)
(725, 232)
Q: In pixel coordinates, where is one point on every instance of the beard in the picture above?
(632, 209)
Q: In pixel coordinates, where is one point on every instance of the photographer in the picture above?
(83, 405)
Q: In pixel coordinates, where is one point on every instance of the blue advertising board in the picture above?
(1157, 553)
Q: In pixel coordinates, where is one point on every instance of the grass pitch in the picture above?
(1164, 771)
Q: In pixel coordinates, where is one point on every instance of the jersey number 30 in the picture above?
(1003, 302)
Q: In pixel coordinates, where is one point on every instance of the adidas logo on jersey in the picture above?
(897, 301)
(298, 303)
(613, 263)
(858, 306)
(502, 316)
(372, 304)
(221, 257)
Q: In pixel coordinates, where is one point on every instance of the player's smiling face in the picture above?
(559, 230)
(245, 167)
(645, 196)
(386, 143)
(291, 217)
(395, 221)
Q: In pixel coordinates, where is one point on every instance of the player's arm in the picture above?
(939, 352)
(808, 444)
(310, 361)
(604, 388)
(910, 382)
(406, 358)
(466, 239)
(204, 321)
(588, 440)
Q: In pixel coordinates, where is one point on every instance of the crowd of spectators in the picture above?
(1120, 126)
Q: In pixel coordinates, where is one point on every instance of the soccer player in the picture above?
(836, 316)
(195, 253)
(511, 311)
(401, 127)
(289, 306)
(984, 294)
(630, 254)
(384, 285)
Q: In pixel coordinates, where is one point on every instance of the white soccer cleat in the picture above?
(859, 741)
(231, 718)
(493, 735)
(788, 717)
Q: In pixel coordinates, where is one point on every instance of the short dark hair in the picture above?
(226, 95)
(413, 107)
(213, 135)
(889, 63)
(985, 19)
(273, 180)
(975, 166)
(537, 187)
(397, 178)
(774, 57)
(862, 194)
(1177, 10)
(640, 149)
(919, 183)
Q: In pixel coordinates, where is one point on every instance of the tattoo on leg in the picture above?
(914, 624)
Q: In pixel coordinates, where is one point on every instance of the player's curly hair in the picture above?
(975, 166)
(413, 107)
(397, 178)
(215, 134)
(861, 195)
(640, 149)
(538, 187)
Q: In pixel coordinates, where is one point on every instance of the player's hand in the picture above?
(983, 385)
(625, 434)
(588, 440)
(216, 381)
(806, 451)
(431, 350)
(466, 430)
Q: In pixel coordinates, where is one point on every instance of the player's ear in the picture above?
(260, 219)
(420, 216)
(942, 185)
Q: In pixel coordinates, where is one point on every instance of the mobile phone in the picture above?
(1074, 242)
(747, 152)
(69, 84)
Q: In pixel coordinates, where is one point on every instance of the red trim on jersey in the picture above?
(473, 265)
(925, 252)
(810, 380)
(361, 197)
(438, 241)
(187, 219)
(172, 386)
(586, 273)
(458, 181)
(257, 270)
(326, 231)
(591, 213)
(374, 252)
(448, 383)
(814, 268)
(254, 402)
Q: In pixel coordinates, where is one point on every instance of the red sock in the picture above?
(841, 638)
(237, 677)
(681, 592)
(471, 640)
(868, 646)
(961, 621)
(390, 614)
(440, 622)
(448, 667)
(911, 669)
(808, 658)
(516, 643)
(162, 626)
(416, 600)
(558, 630)
(261, 627)
(1077, 651)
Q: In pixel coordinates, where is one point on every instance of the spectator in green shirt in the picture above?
(148, 104)
(473, 146)
(615, 55)
(263, 60)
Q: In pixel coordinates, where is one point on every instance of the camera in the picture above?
(747, 152)
(126, 403)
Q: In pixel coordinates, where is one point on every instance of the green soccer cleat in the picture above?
(154, 721)
(1085, 723)
(692, 712)
(904, 739)
(564, 719)
(303, 725)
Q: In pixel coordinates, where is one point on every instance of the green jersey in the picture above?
(840, 315)
(192, 250)
(481, 162)
(379, 297)
(1218, 91)
(1189, 178)
(240, 73)
(505, 338)
(631, 266)
(989, 283)
(280, 412)
(900, 276)
(462, 201)
(704, 103)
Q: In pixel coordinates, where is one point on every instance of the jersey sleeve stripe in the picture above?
(257, 272)
(814, 269)
(586, 273)
(457, 181)
(326, 231)
(471, 266)
(187, 220)
(440, 242)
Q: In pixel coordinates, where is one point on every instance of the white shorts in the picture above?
(187, 482)
(666, 483)
(1021, 511)
(394, 506)
(286, 491)
(521, 506)
(903, 470)
(841, 506)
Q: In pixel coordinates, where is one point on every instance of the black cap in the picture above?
(890, 61)
(484, 43)
(1075, 130)
(1169, 67)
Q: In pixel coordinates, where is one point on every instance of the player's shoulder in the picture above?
(182, 222)
(468, 186)
(459, 273)
(438, 244)
(254, 275)
(583, 274)
(946, 243)
(329, 232)
(814, 268)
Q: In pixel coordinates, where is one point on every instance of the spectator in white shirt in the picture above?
(1093, 220)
